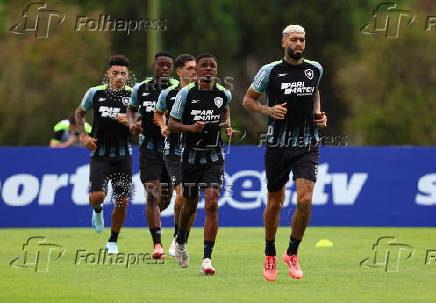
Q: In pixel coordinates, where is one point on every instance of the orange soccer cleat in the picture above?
(294, 268)
(158, 252)
(270, 268)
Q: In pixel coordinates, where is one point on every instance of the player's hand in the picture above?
(197, 127)
(230, 133)
(277, 111)
(321, 119)
(136, 128)
(165, 131)
(122, 118)
(89, 142)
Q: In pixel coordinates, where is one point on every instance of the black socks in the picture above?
(293, 246)
(181, 237)
(176, 230)
(270, 248)
(156, 235)
(208, 247)
(114, 236)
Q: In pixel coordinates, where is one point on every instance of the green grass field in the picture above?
(331, 274)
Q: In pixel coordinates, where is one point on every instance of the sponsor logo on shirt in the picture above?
(149, 106)
(109, 112)
(204, 115)
(297, 88)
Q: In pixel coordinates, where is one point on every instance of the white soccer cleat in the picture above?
(172, 249)
(182, 256)
(206, 267)
(112, 247)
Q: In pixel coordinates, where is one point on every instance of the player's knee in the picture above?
(304, 207)
(211, 207)
(163, 204)
(96, 197)
(189, 209)
(121, 203)
(152, 197)
(275, 205)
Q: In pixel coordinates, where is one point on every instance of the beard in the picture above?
(294, 55)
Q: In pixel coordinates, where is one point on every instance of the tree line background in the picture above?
(375, 90)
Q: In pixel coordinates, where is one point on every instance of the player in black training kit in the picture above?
(185, 69)
(200, 110)
(152, 167)
(294, 115)
(110, 146)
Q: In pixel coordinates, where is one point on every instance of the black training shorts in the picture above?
(279, 161)
(174, 168)
(117, 170)
(196, 177)
(152, 167)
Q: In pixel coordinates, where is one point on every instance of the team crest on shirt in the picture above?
(218, 101)
(125, 100)
(309, 73)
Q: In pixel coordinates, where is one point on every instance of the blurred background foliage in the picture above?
(375, 90)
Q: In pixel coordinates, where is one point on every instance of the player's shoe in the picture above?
(294, 268)
(270, 268)
(206, 267)
(172, 249)
(182, 256)
(98, 221)
(112, 247)
(158, 252)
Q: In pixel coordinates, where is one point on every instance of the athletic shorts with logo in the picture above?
(196, 177)
(174, 168)
(279, 161)
(117, 170)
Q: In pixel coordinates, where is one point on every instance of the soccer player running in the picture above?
(110, 146)
(294, 115)
(200, 110)
(153, 172)
(185, 69)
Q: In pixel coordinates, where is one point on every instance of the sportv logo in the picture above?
(38, 19)
(245, 189)
(38, 254)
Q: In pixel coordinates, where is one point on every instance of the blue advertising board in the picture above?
(357, 186)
